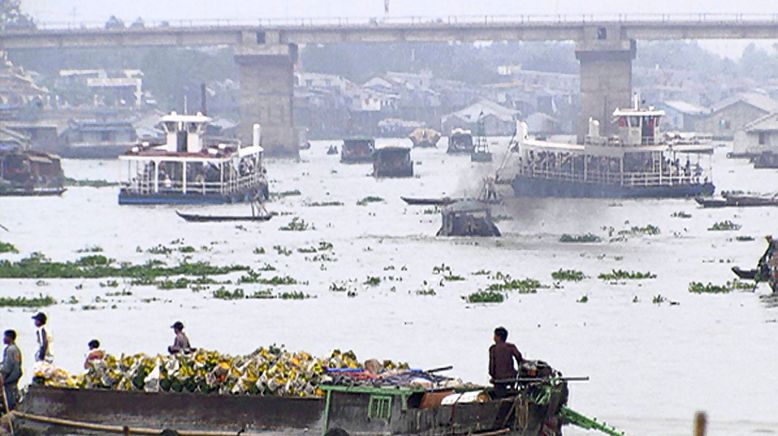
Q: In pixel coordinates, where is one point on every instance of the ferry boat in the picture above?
(638, 162)
(188, 170)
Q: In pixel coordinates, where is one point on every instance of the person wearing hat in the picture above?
(10, 369)
(181, 343)
(43, 336)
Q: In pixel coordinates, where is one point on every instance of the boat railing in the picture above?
(146, 186)
(614, 178)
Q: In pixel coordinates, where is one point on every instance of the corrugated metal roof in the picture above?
(484, 108)
(759, 101)
(685, 107)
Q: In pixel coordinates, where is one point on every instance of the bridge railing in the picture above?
(389, 21)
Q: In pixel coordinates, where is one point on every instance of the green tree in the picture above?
(12, 16)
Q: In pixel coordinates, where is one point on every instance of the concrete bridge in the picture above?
(266, 50)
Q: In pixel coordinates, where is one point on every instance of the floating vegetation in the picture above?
(744, 238)
(446, 272)
(658, 299)
(90, 249)
(266, 267)
(255, 277)
(29, 302)
(297, 224)
(681, 214)
(224, 294)
(522, 286)
(159, 249)
(187, 249)
(618, 274)
(453, 278)
(739, 285)
(724, 226)
(372, 281)
(37, 266)
(431, 211)
(585, 238)
(281, 250)
(89, 183)
(325, 204)
(323, 246)
(649, 229)
(262, 295)
(7, 247)
(295, 295)
(568, 275)
(485, 297)
(482, 272)
(584, 299)
(284, 194)
(122, 293)
(426, 292)
(335, 287)
(259, 250)
(709, 288)
(109, 284)
(369, 199)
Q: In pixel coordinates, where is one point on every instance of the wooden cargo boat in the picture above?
(357, 150)
(418, 201)
(460, 142)
(392, 162)
(467, 218)
(424, 137)
(344, 411)
(28, 173)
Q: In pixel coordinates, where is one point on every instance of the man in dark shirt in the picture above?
(10, 369)
(501, 356)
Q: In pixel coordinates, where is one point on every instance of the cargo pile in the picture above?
(267, 371)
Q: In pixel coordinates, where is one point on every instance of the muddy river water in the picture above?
(651, 365)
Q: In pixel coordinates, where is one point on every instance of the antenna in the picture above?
(185, 103)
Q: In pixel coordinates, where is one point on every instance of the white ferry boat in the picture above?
(638, 162)
(188, 170)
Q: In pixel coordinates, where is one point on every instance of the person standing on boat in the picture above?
(501, 368)
(181, 343)
(43, 336)
(10, 369)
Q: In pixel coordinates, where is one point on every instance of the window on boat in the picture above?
(170, 126)
(634, 121)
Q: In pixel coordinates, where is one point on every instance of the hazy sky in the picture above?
(154, 10)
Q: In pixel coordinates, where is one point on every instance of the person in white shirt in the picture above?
(42, 334)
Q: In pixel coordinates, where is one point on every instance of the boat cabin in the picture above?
(638, 126)
(27, 172)
(392, 162)
(424, 137)
(188, 170)
(357, 150)
(460, 141)
(467, 218)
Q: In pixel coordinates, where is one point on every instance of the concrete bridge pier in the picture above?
(606, 76)
(266, 93)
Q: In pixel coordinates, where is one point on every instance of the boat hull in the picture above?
(86, 411)
(129, 198)
(38, 192)
(221, 218)
(524, 186)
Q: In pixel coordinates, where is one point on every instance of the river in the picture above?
(651, 365)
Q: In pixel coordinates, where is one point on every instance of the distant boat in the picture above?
(737, 200)
(460, 141)
(357, 150)
(190, 217)
(444, 201)
(424, 137)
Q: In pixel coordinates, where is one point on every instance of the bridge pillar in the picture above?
(266, 93)
(606, 76)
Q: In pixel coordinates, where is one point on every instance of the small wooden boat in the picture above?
(37, 192)
(196, 218)
(419, 201)
(738, 200)
(744, 274)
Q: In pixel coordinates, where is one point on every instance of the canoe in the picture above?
(38, 192)
(744, 274)
(737, 201)
(420, 201)
(195, 218)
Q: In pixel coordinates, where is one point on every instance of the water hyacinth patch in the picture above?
(618, 274)
(585, 238)
(28, 302)
(369, 199)
(724, 226)
(568, 275)
(485, 297)
(297, 224)
(521, 286)
(7, 247)
(709, 288)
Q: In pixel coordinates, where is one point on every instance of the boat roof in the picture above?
(186, 118)
(651, 112)
(614, 150)
(393, 148)
(158, 154)
(465, 206)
